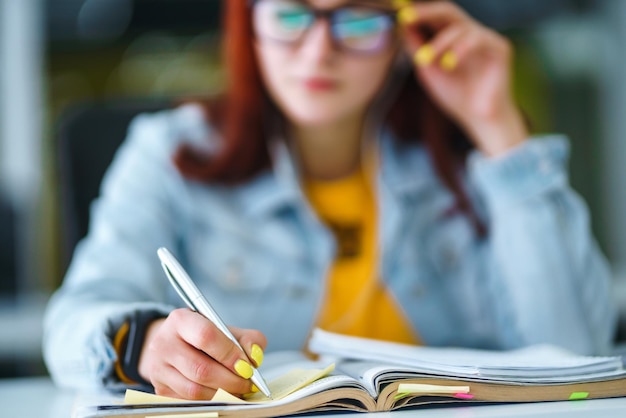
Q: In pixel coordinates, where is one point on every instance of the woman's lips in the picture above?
(319, 84)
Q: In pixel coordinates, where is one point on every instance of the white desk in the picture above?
(38, 398)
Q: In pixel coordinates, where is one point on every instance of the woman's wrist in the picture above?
(142, 365)
(500, 133)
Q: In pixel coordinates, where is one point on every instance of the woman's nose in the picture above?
(318, 43)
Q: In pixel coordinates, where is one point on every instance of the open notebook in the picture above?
(364, 375)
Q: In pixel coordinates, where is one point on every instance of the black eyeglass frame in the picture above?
(326, 15)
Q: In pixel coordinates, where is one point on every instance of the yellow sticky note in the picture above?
(135, 397)
(198, 415)
(281, 386)
(291, 382)
(222, 396)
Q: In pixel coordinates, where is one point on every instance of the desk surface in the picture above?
(38, 398)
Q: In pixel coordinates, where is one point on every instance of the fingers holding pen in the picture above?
(170, 363)
(172, 383)
(202, 375)
(206, 337)
(188, 357)
(253, 343)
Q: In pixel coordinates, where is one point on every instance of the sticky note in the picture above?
(400, 396)
(291, 382)
(134, 397)
(464, 396)
(575, 396)
(186, 415)
(280, 387)
(222, 396)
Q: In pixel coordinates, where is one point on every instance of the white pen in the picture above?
(190, 293)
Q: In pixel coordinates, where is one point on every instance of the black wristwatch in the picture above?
(137, 326)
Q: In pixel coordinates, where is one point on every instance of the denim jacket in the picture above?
(261, 255)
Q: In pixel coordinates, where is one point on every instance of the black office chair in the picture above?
(88, 136)
(8, 255)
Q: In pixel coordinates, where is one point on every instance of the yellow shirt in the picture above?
(356, 301)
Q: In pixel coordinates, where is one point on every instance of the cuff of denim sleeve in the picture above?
(530, 169)
(119, 343)
(126, 340)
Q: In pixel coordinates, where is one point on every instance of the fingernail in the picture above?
(257, 354)
(243, 369)
(424, 55)
(254, 389)
(399, 4)
(407, 15)
(449, 61)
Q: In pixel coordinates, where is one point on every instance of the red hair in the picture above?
(240, 112)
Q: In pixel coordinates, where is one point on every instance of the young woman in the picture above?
(366, 171)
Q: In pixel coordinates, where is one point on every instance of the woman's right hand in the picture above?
(186, 356)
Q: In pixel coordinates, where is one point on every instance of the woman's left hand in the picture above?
(466, 69)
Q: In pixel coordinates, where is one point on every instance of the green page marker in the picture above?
(576, 396)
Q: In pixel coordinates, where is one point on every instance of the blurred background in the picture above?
(73, 72)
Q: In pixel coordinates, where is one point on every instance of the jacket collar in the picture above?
(276, 189)
(405, 169)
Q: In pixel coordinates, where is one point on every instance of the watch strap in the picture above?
(138, 325)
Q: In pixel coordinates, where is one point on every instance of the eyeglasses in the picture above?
(354, 28)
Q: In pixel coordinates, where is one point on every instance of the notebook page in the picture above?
(527, 363)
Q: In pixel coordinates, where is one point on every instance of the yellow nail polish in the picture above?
(257, 354)
(407, 15)
(254, 389)
(449, 61)
(424, 55)
(243, 369)
(399, 4)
